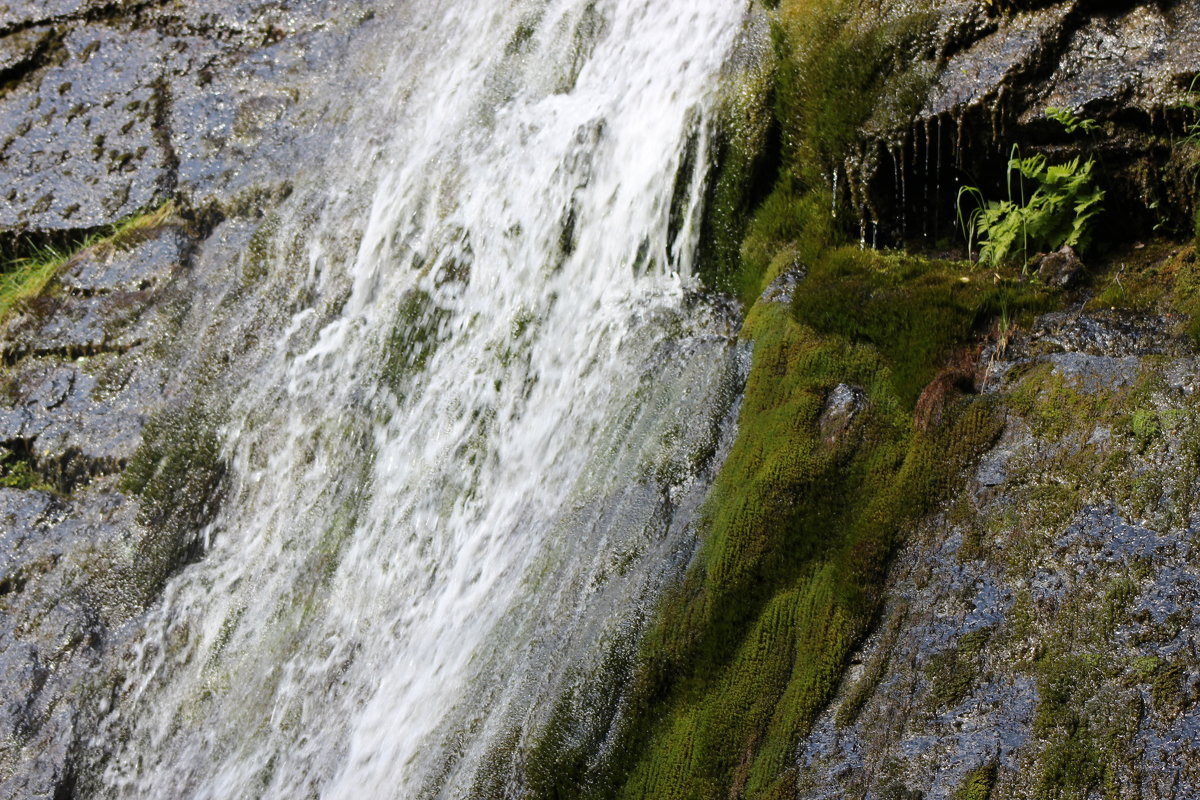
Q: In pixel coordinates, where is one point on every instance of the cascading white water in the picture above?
(453, 487)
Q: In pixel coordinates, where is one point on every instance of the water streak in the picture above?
(484, 445)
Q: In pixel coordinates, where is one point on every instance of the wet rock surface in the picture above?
(1128, 55)
(108, 110)
(1081, 509)
(1040, 637)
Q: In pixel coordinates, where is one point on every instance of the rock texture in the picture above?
(108, 110)
(1040, 637)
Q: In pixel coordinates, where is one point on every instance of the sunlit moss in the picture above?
(977, 785)
(18, 472)
(27, 274)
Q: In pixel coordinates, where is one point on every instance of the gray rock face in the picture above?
(1141, 56)
(77, 399)
(59, 615)
(75, 562)
(107, 110)
(113, 108)
(19, 13)
(1041, 635)
(97, 101)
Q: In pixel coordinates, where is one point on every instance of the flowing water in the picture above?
(456, 493)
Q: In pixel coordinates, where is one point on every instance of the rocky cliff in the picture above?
(142, 145)
(951, 553)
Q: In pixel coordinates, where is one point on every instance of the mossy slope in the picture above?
(741, 657)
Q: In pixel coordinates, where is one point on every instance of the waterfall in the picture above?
(466, 465)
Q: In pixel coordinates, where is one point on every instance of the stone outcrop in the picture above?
(1040, 637)
(109, 110)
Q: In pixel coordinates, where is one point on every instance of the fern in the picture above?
(1071, 122)
(1058, 212)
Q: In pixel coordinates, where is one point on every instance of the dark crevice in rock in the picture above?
(964, 138)
(64, 472)
(163, 99)
(16, 245)
(143, 285)
(105, 12)
(199, 222)
(12, 584)
(72, 468)
(18, 466)
(66, 789)
(44, 51)
(12, 354)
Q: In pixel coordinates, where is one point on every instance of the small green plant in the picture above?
(1191, 139)
(1059, 210)
(18, 472)
(1191, 131)
(27, 276)
(1070, 122)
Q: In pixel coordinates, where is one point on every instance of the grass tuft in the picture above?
(27, 275)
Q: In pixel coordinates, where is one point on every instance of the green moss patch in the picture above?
(842, 73)
(178, 470)
(17, 471)
(799, 528)
(912, 310)
(977, 785)
(27, 271)
(413, 339)
(1160, 278)
(838, 79)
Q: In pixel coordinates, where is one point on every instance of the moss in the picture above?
(1168, 690)
(1162, 632)
(1072, 764)
(953, 671)
(914, 311)
(177, 475)
(1056, 406)
(865, 686)
(178, 470)
(413, 339)
(743, 155)
(835, 76)
(1142, 668)
(1162, 278)
(977, 785)
(1087, 724)
(17, 471)
(1118, 597)
(27, 269)
(789, 221)
(1145, 427)
(749, 649)
(256, 259)
(841, 73)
